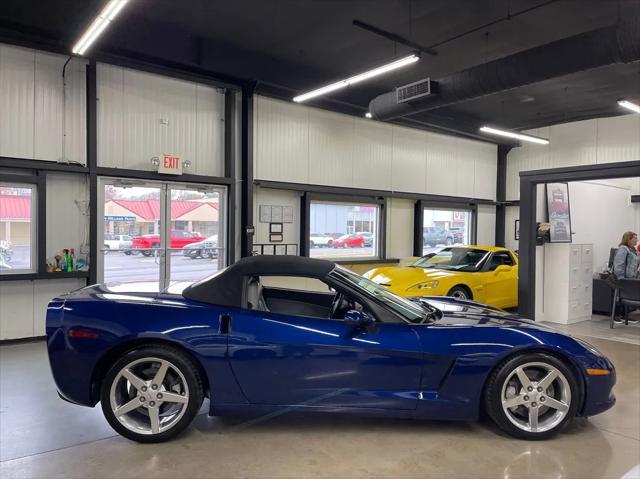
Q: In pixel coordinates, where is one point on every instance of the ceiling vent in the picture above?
(413, 91)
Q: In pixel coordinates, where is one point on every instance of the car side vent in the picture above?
(413, 91)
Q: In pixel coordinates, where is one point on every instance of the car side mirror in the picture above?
(503, 268)
(357, 319)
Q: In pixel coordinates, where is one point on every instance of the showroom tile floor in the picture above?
(41, 436)
(598, 327)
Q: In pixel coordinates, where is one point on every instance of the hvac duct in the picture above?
(618, 43)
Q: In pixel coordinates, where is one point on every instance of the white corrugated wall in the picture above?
(301, 144)
(142, 115)
(33, 122)
(603, 140)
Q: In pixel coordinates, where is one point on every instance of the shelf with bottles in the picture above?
(67, 262)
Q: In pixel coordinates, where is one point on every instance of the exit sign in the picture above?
(170, 165)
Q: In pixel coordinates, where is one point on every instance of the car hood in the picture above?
(407, 275)
(469, 313)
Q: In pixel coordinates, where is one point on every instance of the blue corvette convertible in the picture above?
(151, 358)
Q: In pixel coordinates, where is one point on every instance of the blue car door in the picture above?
(291, 360)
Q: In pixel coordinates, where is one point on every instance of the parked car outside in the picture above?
(117, 242)
(207, 248)
(335, 236)
(435, 235)
(320, 240)
(458, 235)
(368, 238)
(349, 241)
(145, 244)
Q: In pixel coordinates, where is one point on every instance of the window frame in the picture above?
(38, 224)
(305, 229)
(418, 220)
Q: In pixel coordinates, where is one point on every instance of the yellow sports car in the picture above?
(486, 274)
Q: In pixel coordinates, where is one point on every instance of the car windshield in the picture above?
(454, 259)
(407, 309)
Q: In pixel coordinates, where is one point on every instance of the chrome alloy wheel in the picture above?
(536, 397)
(149, 395)
(459, 294)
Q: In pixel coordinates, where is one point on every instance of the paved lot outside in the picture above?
(121, 267)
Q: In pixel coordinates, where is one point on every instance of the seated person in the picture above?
(625, 264)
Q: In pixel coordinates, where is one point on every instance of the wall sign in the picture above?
(170, 165)
(559, 212)
(275, 214)
(275, 227)
(517, 229)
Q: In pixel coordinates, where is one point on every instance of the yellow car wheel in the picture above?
(460, 292)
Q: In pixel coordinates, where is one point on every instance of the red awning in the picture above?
(13, 207)
(150, 209)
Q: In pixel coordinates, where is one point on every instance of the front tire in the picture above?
(460, 292)
(151, 394)
(532, 396)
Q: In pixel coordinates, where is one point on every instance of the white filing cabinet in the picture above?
(568, 282)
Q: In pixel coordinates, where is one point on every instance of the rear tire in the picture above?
(543, 402)
(173, 399)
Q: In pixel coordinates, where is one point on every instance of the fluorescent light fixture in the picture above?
(358, 78)
(368, 115)
(102, 21)
(514, 135)
(630, 106)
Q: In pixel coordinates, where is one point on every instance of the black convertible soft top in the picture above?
(225, 288)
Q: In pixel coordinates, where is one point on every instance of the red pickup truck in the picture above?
(179, 239)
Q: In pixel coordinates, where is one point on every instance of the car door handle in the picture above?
(225, 324)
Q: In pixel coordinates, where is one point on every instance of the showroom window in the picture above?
(445, 227)
(18, 228)
(344, 230)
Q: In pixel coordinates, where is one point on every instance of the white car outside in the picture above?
(117, 242)
(316, 239)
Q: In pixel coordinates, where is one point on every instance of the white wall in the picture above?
(600, 213)
(300, 144)
(40, 118)
(603, 140)
(400, 216)
(142, 115)
(23, 305)
(67, 213)
(268, 196)
(486, 225)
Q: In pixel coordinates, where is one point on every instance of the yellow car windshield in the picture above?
(454, 259)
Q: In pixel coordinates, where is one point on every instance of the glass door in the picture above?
(160, 232)
(197, 242)
(130, 236)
